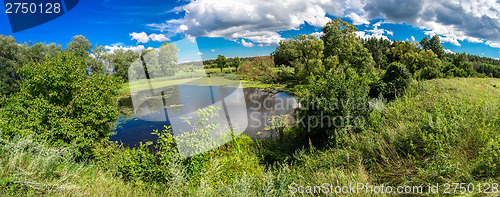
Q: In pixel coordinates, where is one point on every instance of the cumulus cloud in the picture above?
(449, 51)
(158, 37)
(117, 46)
(493, 44)
(140, 37)
(412, 38)
(144, 38)
(246, 44)
(454, 20)
(375, 32)
(255, 20)
(259, 21)
(358, 20)
(317, 34)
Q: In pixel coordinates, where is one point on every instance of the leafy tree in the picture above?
(59, 103)
(378, 48)
(236, 62)
(433, 44)
(461, 61)
(80, 46)
(304, 53)
(340, 40)
(10, 79)
(221, 62)
(121, 61)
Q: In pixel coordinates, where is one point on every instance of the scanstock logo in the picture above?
(25, 14)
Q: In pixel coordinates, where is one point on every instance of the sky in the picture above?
(206, 28)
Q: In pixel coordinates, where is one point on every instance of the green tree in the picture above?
(59, 103)
(121, 61)
(340, 40)
(80, 46)
(304, 53)
(221, 62)
(10, 79)
(433, 44)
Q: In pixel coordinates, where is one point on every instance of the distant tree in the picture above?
(340, 40)
(121, 61)
(221, 62)
(236, 62)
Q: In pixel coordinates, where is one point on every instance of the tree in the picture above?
(121, 61)
(236, 62)
(340, 40)
(221, 62)
(10, 79)
(378, 48)
(433, 44)
(59, 103)
(80, 46)
(304, 53)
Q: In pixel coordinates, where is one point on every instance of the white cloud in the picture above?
(317, 34)
(358, 20)
(493, 44)
(258, 21)
(140, 37)
(158, 37)
(449, 51)
(199, 53)
(213, 50)
(255, 20)
(144, 38)
(117, 46)
(246, 44)
(412, 38)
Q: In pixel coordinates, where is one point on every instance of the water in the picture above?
(181, 100)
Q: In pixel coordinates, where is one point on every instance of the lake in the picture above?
(251, 112)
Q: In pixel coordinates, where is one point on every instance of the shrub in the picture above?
(60, 104)
(334, 101)
(396, 78)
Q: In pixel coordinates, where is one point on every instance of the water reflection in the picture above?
(182, 100)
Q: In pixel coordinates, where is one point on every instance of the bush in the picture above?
(397, 79)
(60, 104)
(331, 102)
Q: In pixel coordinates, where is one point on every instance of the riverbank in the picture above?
(124, 91)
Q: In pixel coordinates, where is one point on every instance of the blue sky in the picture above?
(254, 27)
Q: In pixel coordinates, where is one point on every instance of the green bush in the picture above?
(397, 79)
(58, 103)
(331, 102)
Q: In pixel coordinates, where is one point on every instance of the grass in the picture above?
(440, 131)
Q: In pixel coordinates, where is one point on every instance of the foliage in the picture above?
(433, 44)
(332, 102)
(397, 79)
(303, 53)
(260, 69)
(60, 104)
(121, 61)
(340, 41)
(221, 62)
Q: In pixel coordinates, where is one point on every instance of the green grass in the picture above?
(440, 131)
